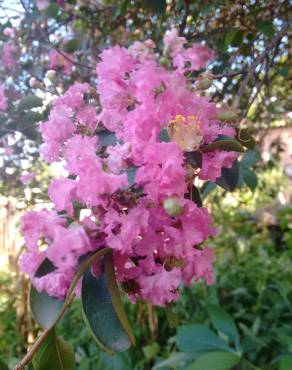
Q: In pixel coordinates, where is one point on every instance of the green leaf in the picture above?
(285, 363)
(72, 45)
(250, 178)
(207, 188)
(195, 196)
(223, 322)
(107, 138)
(229, 177)
(194, 158)
(3, 366)
(267, 28)
(250, 158)
(120, 361)
(159, 6)
(31, 117)
(28, 102)
(245, 139)
(54, 354)
(45, 309)
(45, 268)
(163, 136)
(52, 10)
(233, 37)
(151, 350)
(215, 361)
(224, 143)
(115, 295)
(100, 316)
(131, 173)
(199, 338)
(176, 359)
(172, 318)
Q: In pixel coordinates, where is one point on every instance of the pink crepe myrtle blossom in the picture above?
(26, 178)
(130, 188)
(8, 58)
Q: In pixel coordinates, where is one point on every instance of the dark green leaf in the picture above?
(163, 136)
(28, 102)
(244, 137)
(250, 178)
(222, 321)
(199, 338)
(158, 6)
(250, 158)
(207, 188)
(115, 295)
(54, 354)
(229, 177)
(223, 143)
(267, 28)
(172, 318)
(176, 359)
(216, 361)
(195, 196)
(285, 363)
(45, 309)
(107, 138)
(120, 361)
(233, 37)
(131, 173)
(52, 10)
(45, 268)
(72, 45)
(31, 117)
(194, 158)
(100, 316)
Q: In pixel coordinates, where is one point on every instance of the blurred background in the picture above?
(253, 265)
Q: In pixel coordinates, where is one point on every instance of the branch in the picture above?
(69, 299)
(45, 37)
(184, 20)
(270, 46)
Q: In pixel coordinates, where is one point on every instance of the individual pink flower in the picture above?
(8, 31)
(55, 132)
(62, 192)
(43, 4)
(37, 225)
(59, 61)
(161, 287)
(26, 178)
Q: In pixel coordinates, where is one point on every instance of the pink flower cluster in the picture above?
(134, 190)
(3, 99)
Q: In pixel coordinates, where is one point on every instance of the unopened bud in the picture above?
(34, 83)
(172, 206)
(51, 76)
(203, 84)
(227, 116)
(164, 62)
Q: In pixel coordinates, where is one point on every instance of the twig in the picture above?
(184, 20)
(258, 61)
(28, 357)
(45, 37)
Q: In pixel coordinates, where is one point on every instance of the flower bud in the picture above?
(164, 62)
(51, 76)
(172, 206)
(34, 83)
(203, 84)
(227, 116)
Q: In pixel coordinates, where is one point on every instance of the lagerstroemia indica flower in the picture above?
(154, 230)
